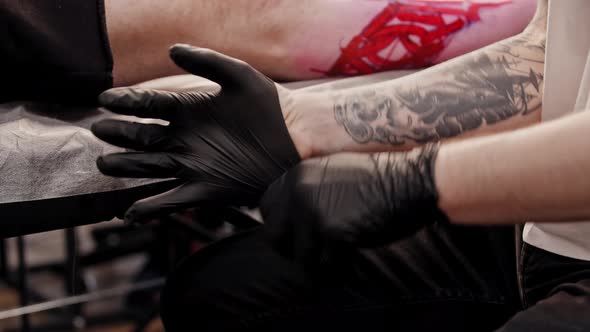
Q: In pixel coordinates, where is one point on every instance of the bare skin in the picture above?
(297, 40)
(513, 180)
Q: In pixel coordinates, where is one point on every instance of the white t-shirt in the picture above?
(567, 90)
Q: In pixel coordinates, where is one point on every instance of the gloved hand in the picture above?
(225, 147)
(351, 200)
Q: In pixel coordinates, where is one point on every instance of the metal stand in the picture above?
(3, 260)
(86, 298)
(72, 276)
(70, 308)
(22, 282)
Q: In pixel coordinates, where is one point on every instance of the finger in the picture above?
(145, 103)
(217, 67)
(131, 135)
(275, 209)
(138, 165)
(182, 197)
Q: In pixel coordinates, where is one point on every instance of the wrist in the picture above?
(444, 184)
(412, 179)
(429, 156)
(316, 129)
(310, 120)
(538, 24)
(289, 101)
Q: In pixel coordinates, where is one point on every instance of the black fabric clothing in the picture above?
(445, 278)
(448, 278)
(54, 50)
(556, 293)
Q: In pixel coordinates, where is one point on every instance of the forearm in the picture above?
(141, 32)
(294, 40)
(493, 89)
(538, 174)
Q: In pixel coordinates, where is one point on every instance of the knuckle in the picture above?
(201, 53)
(139, 208)
(143, 135)
(246, 71)
(242, 65)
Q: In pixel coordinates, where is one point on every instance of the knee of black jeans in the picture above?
(169, 301)
(206, 291)
(172, 309)
(189, 303)
(193, 297)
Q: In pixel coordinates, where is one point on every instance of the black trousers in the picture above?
(556, 293)
(441, 279)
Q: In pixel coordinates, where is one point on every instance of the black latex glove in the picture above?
(225, 147)
(351, 201)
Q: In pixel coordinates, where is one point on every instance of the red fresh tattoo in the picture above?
(406, 35)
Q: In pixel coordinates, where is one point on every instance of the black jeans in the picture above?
(556, 293)
(441, 279)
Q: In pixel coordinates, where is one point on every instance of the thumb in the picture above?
(182, 197)
(212, 65)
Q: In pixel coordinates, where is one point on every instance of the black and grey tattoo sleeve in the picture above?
(502, 82)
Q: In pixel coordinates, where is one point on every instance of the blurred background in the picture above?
(103, 277)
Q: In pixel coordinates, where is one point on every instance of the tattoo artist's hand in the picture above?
(225, 147)
(351, 200)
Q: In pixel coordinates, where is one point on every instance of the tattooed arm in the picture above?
(305, 39)
(493, 89)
